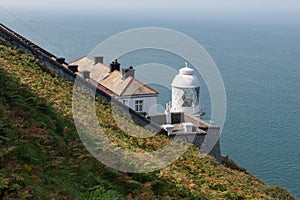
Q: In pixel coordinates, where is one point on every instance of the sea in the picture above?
(259, 62)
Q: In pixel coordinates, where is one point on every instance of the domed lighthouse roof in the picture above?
(185, 78)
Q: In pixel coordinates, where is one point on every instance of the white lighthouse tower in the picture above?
(186, 92)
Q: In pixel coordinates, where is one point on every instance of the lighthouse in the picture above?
(186, 92)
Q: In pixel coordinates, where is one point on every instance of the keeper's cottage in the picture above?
(119, 83)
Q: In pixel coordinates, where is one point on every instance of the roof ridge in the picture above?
(78, 59)
(127, 86)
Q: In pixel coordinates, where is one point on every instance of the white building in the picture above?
(186, 92)
(120, 85)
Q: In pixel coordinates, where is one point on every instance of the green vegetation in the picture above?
(42, 156)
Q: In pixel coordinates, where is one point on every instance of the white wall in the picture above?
(149, 105)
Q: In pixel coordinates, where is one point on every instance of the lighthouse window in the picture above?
(139, 105)
(190, 97)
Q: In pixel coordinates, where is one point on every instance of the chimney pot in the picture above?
(126, 72)
(115, 65)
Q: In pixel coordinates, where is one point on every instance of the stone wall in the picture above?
(207, 140)
(42, 55)
(207, 143)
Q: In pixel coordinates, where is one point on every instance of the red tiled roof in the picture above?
(113, 81)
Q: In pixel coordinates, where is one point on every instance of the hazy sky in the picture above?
(275, 11)
(179, 6)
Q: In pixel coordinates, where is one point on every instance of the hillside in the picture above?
(42, 156)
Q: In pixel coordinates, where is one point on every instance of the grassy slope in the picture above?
(42, 156)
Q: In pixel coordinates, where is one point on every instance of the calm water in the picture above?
(259, 62)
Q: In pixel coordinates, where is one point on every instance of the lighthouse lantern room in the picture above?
(186, 92)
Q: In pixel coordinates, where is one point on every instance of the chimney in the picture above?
(86, 74)
(114, 66)
(98, 59)
(73, 68)
(126, 72)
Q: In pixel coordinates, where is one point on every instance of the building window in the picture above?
(139, 105)
(125, 102)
